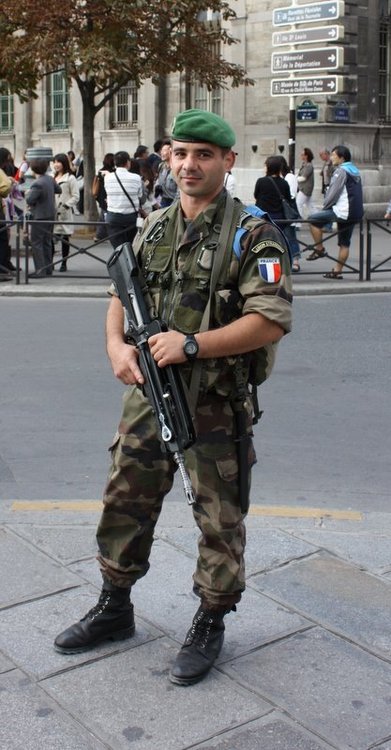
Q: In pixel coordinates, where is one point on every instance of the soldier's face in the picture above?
(199, 168)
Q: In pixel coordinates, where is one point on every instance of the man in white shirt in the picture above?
(124, 191)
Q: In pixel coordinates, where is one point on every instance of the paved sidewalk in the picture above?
(87, 275)
(305, 664)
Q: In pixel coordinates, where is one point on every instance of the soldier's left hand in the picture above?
(167, 348)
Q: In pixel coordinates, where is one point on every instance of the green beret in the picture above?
(199, 126)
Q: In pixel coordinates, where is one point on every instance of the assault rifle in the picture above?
(163, 385)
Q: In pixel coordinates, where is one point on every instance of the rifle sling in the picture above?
(228, 230)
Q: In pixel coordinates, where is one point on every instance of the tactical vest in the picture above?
(178, 280)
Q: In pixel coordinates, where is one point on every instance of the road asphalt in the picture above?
(306, 663)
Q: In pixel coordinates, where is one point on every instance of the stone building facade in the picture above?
(359, 115)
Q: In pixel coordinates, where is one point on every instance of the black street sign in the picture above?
(308, 36)
(322, 58)
(324, 11)
(296, 86)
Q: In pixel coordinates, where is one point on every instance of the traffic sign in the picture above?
(323, 11)
(321, 58)
(296, 86)
(308, 36)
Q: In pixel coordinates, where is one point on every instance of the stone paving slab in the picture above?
(27, 573)
(363, 549)
(27, 632)
(273, 732)
(164, 598)
(128, 701)
(6, 665)
(332, 687)
(338, 595)
(265, 548)
(30, 719)
(77, 542)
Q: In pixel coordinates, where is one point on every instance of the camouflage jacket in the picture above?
(176, 259)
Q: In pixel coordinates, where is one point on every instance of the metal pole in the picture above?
(292, 133)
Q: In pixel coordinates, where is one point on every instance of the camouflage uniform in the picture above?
(176, 259)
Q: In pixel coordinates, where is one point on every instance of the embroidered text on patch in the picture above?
(269, 269)
(266, 245)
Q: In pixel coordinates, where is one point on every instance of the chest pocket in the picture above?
(158, 275)
(193, 284)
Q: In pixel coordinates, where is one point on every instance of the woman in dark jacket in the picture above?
(269, 190)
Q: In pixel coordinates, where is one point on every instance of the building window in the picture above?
(57, 101)
(6, 112)
(204, 99)
(124, 107)
(384, 67)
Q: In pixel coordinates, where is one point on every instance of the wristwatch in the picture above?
(190, 347)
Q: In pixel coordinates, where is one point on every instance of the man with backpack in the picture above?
(220, 278)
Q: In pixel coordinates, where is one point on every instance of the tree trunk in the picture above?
(87, 90)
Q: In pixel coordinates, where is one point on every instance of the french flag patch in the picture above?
(269, 269)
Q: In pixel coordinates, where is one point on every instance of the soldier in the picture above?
(250, 310)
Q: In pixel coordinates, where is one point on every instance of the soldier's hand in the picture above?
(124, 361)
(167, 348)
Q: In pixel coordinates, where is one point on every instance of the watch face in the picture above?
(191, 348)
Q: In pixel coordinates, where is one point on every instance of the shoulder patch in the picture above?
(266, 245)
(269, 270)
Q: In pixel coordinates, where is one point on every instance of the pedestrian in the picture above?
(141, 152)
(166, 189)
(290, 229)
(100, 195)
(66, 202)
(6, 183)
(124, 191)
(249, 309)
(148, 178)
(40, 199)
(343, 204)
(230, 184)
(327, 169)
(155, 158)
(305, 182)
(387, 214)
(270, 190)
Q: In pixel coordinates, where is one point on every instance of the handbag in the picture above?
(289, 208)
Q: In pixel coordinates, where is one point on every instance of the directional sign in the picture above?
(308, 36)
(324, 11)
(322, 58)
(297, 86)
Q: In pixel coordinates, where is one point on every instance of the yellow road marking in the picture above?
(282, 511)
(287, 511)
(49, 505)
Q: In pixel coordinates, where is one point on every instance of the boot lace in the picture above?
(99, 607)
(200, 629)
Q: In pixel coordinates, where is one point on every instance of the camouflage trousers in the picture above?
(142, 474)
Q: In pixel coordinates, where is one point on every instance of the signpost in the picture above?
(323, 11)
(313, 85)
(320, 58)
(314, 59)
(308, 36)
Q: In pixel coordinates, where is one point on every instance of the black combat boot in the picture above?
(111, 619)
(201, 648)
